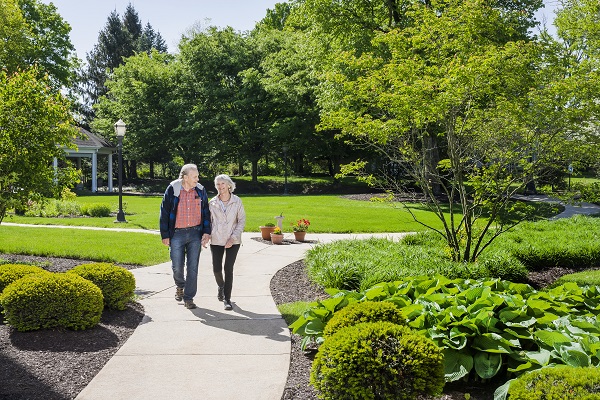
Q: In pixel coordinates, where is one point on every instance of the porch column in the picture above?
(94, 172)
(55, 166)
(110, 174)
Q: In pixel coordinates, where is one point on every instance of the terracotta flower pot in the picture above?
(299, 236)
(276, 239)
(266, 231)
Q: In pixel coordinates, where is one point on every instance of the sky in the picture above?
(173, 18)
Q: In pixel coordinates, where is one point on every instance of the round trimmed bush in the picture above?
(366, 311)
(12, 272)
(560, 382)
(377, 360)
(40, 301)
(117, 283)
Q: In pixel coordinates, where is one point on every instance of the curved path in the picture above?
(208, 353)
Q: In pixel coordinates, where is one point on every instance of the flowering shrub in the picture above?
(301, 225)
(277, 231)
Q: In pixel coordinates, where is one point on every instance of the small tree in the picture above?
(453, 102)
(34, 122)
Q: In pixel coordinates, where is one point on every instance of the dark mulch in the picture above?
(58, 364)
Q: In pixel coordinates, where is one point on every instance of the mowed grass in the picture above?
(327, 214)
(96, 245)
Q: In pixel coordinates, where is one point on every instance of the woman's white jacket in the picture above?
(227, 220)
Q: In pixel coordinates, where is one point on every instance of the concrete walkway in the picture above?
(208, 353)
(581, 208)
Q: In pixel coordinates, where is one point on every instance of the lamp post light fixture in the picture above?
(285, 188)
(120, 131)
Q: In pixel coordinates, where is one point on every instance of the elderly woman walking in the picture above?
(228, 220)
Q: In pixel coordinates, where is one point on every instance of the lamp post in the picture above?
(285, 188)
(120, 131)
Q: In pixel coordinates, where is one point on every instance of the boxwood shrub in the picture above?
(377, 360)
(12, 272)
(554, 383)
(117, 283)
(367, 311)
(51, 300)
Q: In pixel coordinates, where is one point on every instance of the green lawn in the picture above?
(327, 213)
(109, 246)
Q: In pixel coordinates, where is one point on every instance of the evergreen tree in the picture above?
(119, 39)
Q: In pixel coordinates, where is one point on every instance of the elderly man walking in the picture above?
(185, 227)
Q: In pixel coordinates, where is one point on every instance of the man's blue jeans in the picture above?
(185, 243)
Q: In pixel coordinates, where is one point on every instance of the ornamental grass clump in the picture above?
(52, 300)
(377, 360)
(117, 283)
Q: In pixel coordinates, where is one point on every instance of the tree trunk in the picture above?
(254, 171)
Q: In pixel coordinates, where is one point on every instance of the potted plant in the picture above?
(266, 230)
(300, 228)
(277, 236)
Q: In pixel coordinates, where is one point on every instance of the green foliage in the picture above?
(583, 278)
(367, 311)
(35, 122)
(53, 208)
(377, 360)
(12, 272)
(588, 192)
(33, 33)
(96, 210)
(360, 264)
(565, 242)
(557, 383)
(486, 328)
(117, 283)
(52, 300)
(503, 265)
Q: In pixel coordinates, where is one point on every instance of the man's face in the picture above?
(191, 179)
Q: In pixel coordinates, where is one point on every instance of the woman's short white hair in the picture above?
(226, 179)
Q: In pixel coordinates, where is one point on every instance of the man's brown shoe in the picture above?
(189, 304)
(179, 293)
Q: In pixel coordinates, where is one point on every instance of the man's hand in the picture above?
(205, 240)
(166, 241)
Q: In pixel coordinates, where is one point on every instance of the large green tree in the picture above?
(34, 121)
(141, 93)
(119, 39)
(456, 81)
(33, 33)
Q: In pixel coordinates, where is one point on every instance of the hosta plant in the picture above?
(486, 328)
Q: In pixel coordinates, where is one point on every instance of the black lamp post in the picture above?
(120, 131)
(285, 188)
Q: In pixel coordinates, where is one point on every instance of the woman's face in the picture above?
(222, 187)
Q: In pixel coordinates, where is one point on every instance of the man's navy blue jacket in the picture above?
(168, 209)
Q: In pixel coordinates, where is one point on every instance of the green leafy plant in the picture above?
(301, 225)
(359, 312)
(377, 360)
(269, 224)
(12, 272)
(52, 300)
(117, 283)
(558, 382)
(485, 327)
